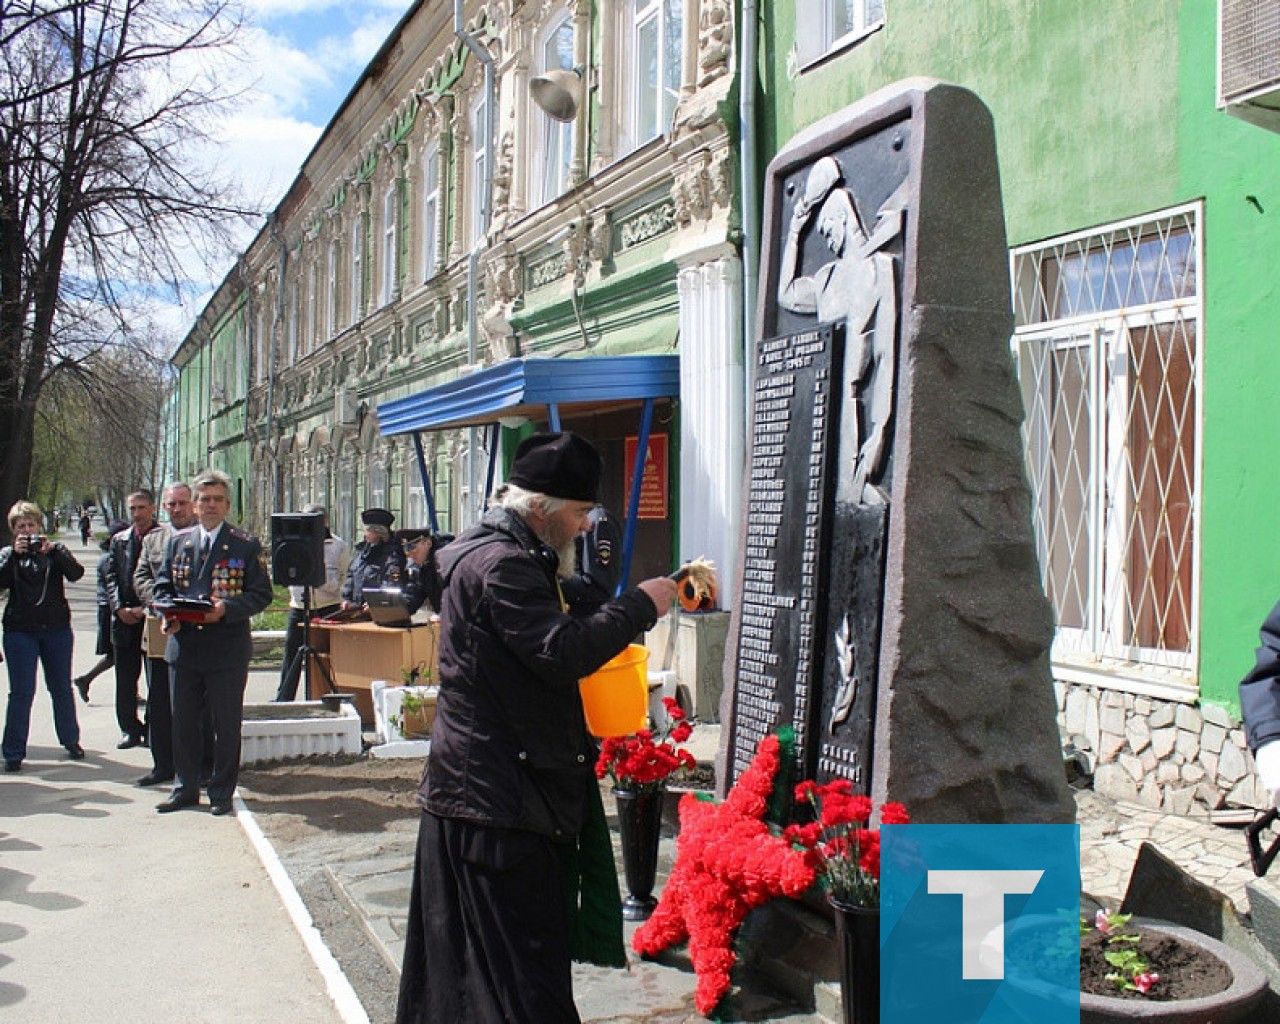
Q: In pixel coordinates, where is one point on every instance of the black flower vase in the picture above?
(640, 823)
(858, 930)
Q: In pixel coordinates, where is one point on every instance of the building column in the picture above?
(711, 415)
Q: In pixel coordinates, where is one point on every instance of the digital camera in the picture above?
(35, 541)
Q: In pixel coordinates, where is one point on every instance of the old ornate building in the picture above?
(446, 222)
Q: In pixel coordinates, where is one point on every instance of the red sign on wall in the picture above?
(654, 484)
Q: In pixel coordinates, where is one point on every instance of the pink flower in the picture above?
(1143, 982)
(1102, 921)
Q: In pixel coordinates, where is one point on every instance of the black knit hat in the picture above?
(560, 465)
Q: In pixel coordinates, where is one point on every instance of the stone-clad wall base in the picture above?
(1160, 754)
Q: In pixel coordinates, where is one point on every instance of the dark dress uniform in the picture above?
(599, 565)
(373, 566)
(210, 662)
(507, 788)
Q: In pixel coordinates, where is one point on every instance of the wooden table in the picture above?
(357, 653)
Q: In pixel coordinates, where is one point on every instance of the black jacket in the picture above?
(374, 566)
(35, 584)
(1260, 689)
(124, 549)
(509, 747)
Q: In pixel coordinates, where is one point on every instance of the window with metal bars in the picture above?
(1107, 349)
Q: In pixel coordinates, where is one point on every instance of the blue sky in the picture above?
(298, 61)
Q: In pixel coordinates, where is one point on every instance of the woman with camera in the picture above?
(37, 627)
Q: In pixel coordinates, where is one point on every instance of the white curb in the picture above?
(339, 988)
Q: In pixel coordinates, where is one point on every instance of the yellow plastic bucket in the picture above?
(615, 696)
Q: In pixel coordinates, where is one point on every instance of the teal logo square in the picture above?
(980, 924)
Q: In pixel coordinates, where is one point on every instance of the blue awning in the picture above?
(526, 388)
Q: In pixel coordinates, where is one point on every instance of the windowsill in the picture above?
(1141, 680)
(842, 44)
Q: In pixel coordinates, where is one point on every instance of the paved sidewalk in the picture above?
(110, 912)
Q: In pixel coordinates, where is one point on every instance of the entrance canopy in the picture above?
(517, 390)
(531, 389)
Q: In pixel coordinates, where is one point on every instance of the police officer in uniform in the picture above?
(210, 654)
(378, 562)
(422, 573)
(598, 564)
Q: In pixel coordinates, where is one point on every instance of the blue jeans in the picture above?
(52, 647)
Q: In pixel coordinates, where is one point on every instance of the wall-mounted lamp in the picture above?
(558, 93)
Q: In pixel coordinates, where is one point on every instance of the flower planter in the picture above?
(1232, 1004)
(858, 931)
(269, 732)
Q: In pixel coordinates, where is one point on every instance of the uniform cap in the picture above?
(377, 517)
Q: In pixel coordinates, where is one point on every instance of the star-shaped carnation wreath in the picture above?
(727, 863)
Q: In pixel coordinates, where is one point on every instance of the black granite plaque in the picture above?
(780, 655)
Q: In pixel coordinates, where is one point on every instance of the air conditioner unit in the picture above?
(345, 406)
(1249, 60)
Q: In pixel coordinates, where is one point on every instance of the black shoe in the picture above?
(176, 802)
(153, 778)
(220, 807)
(75, 752)
(82, 684)
(128, 742)
(13, 766)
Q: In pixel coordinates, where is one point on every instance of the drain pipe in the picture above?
(750, 195)
(486, 211)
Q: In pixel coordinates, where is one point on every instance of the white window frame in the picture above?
(478, 169)
(864, 16)
(430, 209)
(390, 216)
(291, 324)
(554, 139)
(639, 14)
(1096, 651)
(313, 288)
(331, 290)
(357, 267)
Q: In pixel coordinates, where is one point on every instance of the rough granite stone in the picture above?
(1132, 766)
(1219, 716)
(1162, 741)
(1187, 744)
(963, 656)
(1161, 715)
(1231, 765)
(1077, 704)
(1112, 781)
(1138, 733)
(1188, 717)
(1212, 737)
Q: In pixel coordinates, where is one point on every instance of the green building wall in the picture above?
(1104, 111)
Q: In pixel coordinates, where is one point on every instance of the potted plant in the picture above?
(639, 766)
(845, 853)
(1154, 971)
(417, 703)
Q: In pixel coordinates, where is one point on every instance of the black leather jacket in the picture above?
(35, 584)
(509, 747)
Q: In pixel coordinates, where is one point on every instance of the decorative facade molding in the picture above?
(715, 40)
(546, 270)
(649, 222)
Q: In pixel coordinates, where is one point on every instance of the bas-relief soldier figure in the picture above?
(858, 286)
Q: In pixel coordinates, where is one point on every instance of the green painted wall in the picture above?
(1226, 160)
(1103, 111)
